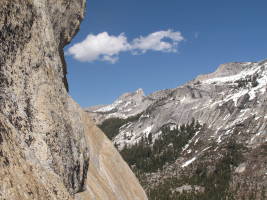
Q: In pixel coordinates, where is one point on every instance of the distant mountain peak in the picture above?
(127, 105)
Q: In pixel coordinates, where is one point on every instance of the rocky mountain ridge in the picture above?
(230, 105)
(231, 84)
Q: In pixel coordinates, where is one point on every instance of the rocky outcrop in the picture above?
(109, 177)
(49, 148)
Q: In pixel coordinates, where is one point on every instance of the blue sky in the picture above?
(213, 31)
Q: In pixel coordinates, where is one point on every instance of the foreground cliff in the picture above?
(49, 147)
(206, 139)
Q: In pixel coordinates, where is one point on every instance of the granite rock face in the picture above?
(44, 135)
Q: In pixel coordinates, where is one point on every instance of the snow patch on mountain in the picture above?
(188, 162)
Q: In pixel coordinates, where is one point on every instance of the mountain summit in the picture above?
(127, 105)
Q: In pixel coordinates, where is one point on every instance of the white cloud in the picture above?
(99, 47)
(155, 41)
(105, 47)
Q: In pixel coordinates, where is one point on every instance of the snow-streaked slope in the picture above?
(217, 99)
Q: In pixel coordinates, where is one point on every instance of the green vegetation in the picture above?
(214, 175)
(112, 126)
(147, 157)
(216, 182)
(244, 82)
